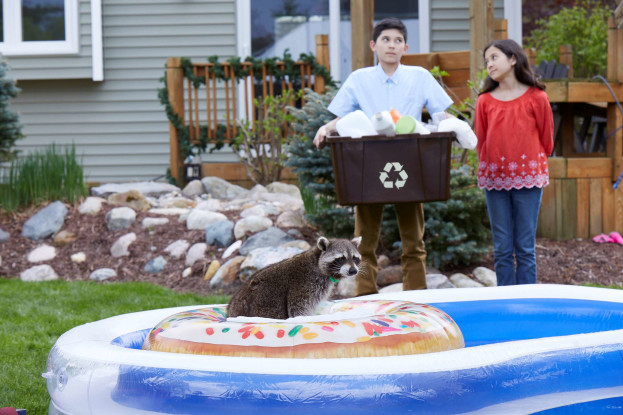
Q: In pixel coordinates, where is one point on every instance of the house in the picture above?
(95, 83)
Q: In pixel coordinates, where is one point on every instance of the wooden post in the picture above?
(175, 89)
(322, 58)
(480, 32)
(565, 57)
(531, 56)
(361, 23)
(500, 29)
(612, 50)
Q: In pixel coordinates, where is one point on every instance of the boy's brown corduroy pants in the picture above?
(368, 220)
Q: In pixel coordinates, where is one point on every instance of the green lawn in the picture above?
(34, 314)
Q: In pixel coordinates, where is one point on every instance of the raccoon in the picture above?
(295, 286)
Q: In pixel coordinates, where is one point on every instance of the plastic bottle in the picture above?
(384, 124)
(395, 115)
(355, 125)
(409, 125)
(406, 125)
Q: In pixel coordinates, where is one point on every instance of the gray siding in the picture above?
(119, 125)
(59, 67)
(449, 24)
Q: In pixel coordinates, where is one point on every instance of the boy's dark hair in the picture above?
(389, 23)
(523, 70)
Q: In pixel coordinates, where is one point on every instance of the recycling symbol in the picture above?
(399, 182)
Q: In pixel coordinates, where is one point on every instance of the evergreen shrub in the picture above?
(314, 169)
(10, 128)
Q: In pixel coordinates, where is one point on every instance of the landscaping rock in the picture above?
(270, 237)
(252, 224)
(463, 281)
(132, 199)
(435, 281)
(39, 273)
(290, 219)
(153, 222)
(91, 205)
(103, 274)
(63, 238)
(193, 189)
(220, 233)
(78, 257)
(226, 274)
(177, 248)
(120, 218)
(201, 219)
(121, 245)
(42, 253)
(231, 249)
(45, 222)
(394, 288)
(487, 277)
(389, 275)
(221, 189)
(214, 266)
(153, 189)
(262, 257)
(285, 188)
(156, 265)
(195, 253)
(4, 236)
(213, 205)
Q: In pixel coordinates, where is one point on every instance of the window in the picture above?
(38, 27)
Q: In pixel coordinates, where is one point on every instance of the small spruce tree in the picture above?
(10, 128)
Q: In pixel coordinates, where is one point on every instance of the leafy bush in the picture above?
(10, 128)
(260, 146)
(584, 27)
(42, 176)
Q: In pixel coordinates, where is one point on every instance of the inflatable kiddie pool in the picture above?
(528, 349)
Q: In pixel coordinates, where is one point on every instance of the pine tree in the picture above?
(10, 128)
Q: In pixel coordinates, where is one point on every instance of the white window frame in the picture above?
(13, 44)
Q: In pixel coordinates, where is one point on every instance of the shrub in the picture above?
(584, 27)
(10, 128)
(314, 169)
(42, 176)
(260, 146)
(457, 230)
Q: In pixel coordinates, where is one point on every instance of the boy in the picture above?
(389, 85)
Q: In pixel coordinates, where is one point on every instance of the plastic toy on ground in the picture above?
(545, 349)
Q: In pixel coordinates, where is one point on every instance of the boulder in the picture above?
(45, 222)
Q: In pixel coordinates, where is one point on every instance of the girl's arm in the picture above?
(480, 125)
(545, 122)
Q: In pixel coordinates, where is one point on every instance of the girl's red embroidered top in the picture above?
(514, 139)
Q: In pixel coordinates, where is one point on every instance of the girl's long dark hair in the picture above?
(523, 70)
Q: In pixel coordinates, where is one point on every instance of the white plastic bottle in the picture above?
(355, 125)
(384, 124)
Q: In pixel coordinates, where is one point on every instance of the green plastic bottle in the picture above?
(406, 125)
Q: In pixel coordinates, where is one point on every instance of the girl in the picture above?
(515, 127)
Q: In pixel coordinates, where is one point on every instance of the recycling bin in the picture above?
(381, 169)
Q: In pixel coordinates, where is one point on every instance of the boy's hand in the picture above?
(320, 140)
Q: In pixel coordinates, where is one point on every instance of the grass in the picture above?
(35, 314)
(49, 175)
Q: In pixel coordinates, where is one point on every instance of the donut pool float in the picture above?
(340, 330)
(547, 349)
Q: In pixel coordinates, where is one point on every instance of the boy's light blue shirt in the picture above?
(408, 90)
